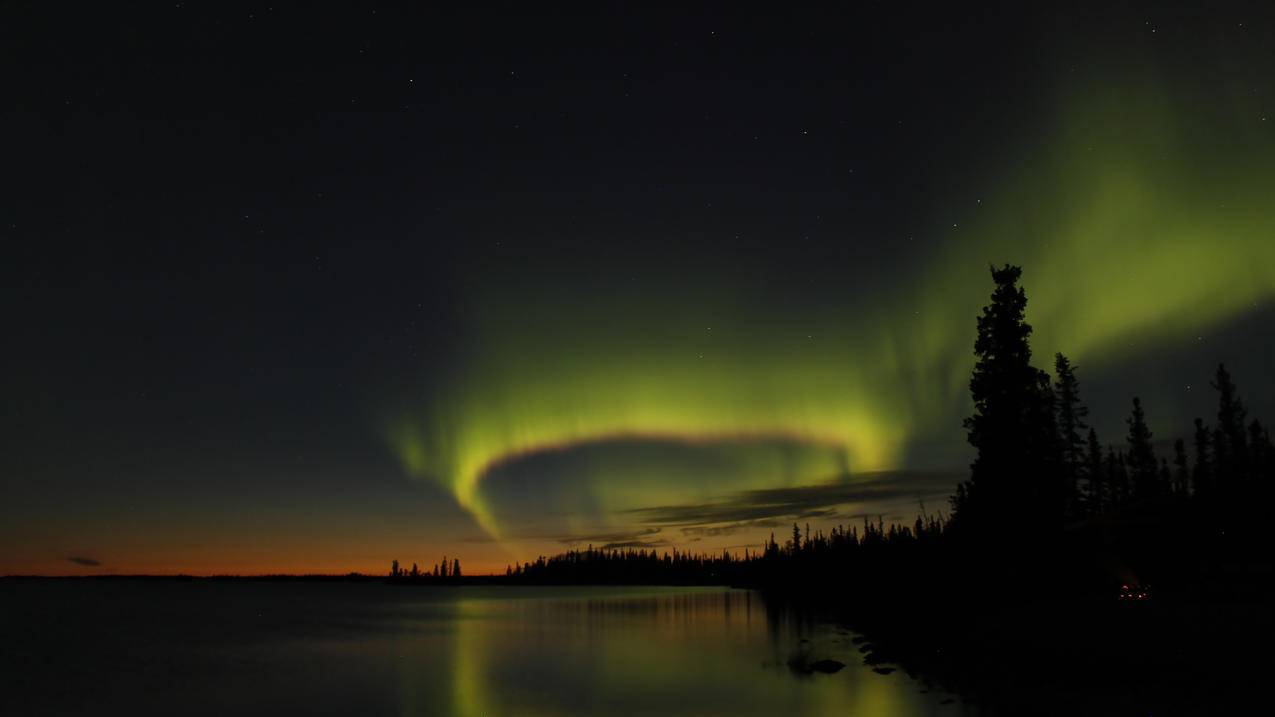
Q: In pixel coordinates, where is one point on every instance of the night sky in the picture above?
(291, 291)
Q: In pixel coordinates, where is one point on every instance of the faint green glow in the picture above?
(1140, 222)
(471, 694)
(1135, 221)
(639, 650)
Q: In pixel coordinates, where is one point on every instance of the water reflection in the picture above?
(275, 648)
(573, 651)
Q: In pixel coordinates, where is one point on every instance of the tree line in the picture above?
(441, 572)
(1039, 464)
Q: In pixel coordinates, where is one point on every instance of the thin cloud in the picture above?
(711, 531)
(614, 537)
(634, 544)
(631, 536)
(86, 562)
(761, 507)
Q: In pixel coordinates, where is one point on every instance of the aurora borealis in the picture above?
(628, 279)
(1128, 251)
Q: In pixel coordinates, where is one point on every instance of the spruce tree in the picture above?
(1181, 475)
(1233, 447)
(1142, 462)
(1094, 473)
(1222, 475)
(1255, 457)
(1201, 483)
(1071, 416)
(1014, 477)
(1117, 478)
(1261, 458)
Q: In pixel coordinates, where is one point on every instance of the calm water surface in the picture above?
(121, 647)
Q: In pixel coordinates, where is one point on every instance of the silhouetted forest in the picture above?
(442, 572)
(804, 555)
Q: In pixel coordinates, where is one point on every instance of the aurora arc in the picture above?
(1140, 219)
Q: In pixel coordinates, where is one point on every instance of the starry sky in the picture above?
(291, 291)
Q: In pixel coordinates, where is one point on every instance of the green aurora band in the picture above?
(1140, 218)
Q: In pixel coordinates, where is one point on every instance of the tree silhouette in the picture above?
(1261, 456)
(1229, 440)
(1141, 460)
(1200, 473)
(1094, 472)
(1117, 478)
(1071, 424)
(1014, 477)
(1181, 474)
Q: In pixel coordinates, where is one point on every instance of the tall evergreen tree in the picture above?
(1261, 457)
(1181, 475)
(1071, 414)
(1143, 466)
(1014, 477)
(1117, 478)
(1094, 473)
(1222, 474)
(1200, 480)
(1232, 450)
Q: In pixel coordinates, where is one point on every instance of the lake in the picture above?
(256, 648)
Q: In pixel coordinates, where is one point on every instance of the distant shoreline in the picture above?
(283, 577)
(355, 578)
